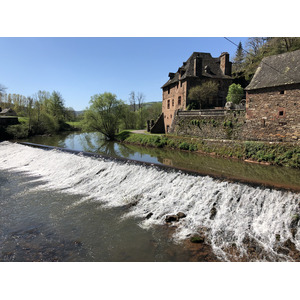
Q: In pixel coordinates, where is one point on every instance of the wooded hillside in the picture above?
(249, 56)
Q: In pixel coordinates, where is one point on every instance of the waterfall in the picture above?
(240, 222)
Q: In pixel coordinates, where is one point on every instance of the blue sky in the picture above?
(81, 67)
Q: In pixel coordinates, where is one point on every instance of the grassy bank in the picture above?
(281, 154)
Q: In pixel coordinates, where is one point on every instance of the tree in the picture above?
(132, 100)
(56, 106)
(238, 59)
(204, 93)
(254, 44)
(235, 93)
(104, 114)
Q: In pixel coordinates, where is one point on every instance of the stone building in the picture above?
(273, 99)
(199, 68)
(7, 112)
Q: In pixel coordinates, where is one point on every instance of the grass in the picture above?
(75, 125)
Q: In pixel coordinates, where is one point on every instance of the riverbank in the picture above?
(19, 128)
(280, 154)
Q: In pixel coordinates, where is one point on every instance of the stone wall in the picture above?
(174, 98)
(5, 121)
(273, 114)
(159, 126)
(226, 126)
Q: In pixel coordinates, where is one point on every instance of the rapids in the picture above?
(239, 221)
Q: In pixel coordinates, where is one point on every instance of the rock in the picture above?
(197, 239)
(171, 218)
(295, 220)
(181, 215)
(149, 215)
(213, 213)
(77, 243)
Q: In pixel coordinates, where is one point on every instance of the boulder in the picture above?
(181, 215)
(171, 218)
(213, 213)
(149, 215)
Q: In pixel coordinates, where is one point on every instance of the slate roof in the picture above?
(277, 70)
(7, 110)
(187, 67)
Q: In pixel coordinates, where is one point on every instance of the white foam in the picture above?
(241, 210)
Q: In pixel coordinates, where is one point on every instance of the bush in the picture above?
(184, 146)
(235, 93)
(17, 131)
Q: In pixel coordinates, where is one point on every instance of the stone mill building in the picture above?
(272, 99)
(199, 68)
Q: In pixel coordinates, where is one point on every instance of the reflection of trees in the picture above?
(95, 142)
(126, 151)
(221, 166)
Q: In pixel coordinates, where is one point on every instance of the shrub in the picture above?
(184, 146)
(235, 93)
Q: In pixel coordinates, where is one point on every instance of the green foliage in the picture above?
(17, 131)
(42, 113)
(193, 105)
(259, 47)
(235, 93)
(184, 146)
(238, 60)
(203, 93)
(123, 135)
(277, 154)
(104, 114)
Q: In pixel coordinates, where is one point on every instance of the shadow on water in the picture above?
(229, 169)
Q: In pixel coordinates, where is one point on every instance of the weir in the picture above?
(239, 221)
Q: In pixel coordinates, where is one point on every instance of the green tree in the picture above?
(56, 106)
(239, 58)
(104, 114)
(203, 94)
(235, 93)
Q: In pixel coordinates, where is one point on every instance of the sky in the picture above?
(79, 68)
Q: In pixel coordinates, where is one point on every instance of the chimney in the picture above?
(197, 66)
(171, 75)
(225, 64)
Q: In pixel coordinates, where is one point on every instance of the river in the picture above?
(58, 206)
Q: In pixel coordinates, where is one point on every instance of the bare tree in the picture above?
(140, 99)
(2, 92)
(255, 43)
(132, 100)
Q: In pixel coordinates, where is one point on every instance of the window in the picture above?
(281, 92)
(168, 90)
(168, 106)
(179, 100)
(172, 102)
(281, 112)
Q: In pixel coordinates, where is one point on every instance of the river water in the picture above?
(58, 206)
